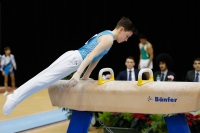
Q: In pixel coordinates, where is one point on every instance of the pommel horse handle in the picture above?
(140, 81)
(100, 78)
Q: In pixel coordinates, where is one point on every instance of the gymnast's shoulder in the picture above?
(108, 39)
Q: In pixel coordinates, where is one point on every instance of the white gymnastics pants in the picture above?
(144, 63)
(62, 67)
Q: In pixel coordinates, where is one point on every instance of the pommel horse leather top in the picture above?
(127, 96)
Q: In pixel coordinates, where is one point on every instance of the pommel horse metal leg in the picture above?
(175, 124)
(80, 122)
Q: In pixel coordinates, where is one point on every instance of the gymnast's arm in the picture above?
(139, 58)
(2, 65)
(90, 69)
(150, 51)
(13, 62)
(105, 43)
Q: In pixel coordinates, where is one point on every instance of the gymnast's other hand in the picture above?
(86, 78)
(74, 80)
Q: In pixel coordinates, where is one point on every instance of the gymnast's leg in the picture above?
(63, 66)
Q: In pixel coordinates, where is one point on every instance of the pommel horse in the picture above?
(119, 96)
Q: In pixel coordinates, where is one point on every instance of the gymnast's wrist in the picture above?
(78, 72)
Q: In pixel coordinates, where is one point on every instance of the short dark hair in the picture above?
(142, 36)
(6, 48)
(196, 59)
(126, 24)
(130, 57)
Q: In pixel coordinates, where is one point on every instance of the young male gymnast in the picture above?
(76, 60)
(8, 64)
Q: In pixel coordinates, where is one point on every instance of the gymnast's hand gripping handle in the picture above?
(140, 81)
(100, 78)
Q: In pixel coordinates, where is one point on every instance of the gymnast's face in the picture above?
(143, 41)
(129, 63)
(196, 65)
(7, 52)
(163, 66)
(123, 35)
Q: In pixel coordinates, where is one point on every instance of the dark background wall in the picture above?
(38, 32)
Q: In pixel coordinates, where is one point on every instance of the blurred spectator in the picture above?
(131, 73)
(165, 63)
(193, 75)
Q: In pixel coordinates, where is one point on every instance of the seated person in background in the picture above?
(193, 75)
(165, 63)
(130, 74)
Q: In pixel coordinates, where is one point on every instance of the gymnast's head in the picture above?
(124, 29)
(143, 39)
(7, 51)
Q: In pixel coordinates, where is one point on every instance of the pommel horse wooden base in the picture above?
(119, 96)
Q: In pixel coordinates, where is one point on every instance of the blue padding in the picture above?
(80, 122)
(177, 124)
(32, 121)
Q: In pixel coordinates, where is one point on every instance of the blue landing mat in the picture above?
(32, 121)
